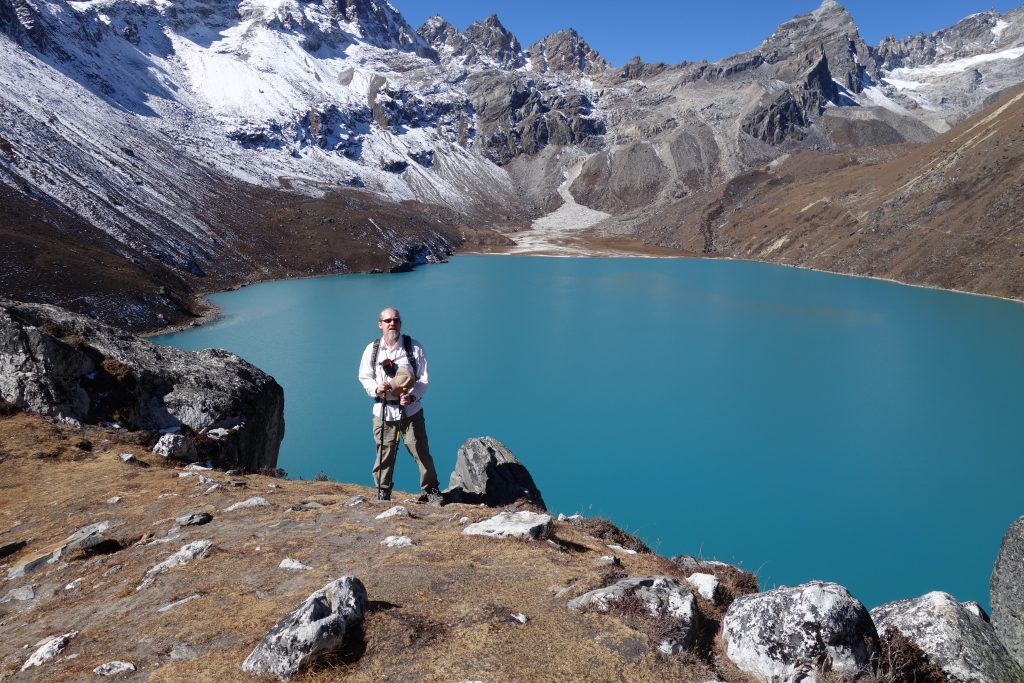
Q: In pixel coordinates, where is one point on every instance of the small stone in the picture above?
(397, 511)
(196, 467)
(354, 501)
(619, 549)
(20, 594)
(708, 586)
(233, 473)
(236, 483)
(48, 650)
(113, 570)
(182, 652)
(206, 480)
(670, 646)
(397, 542)
(186, 475)
(179, 603)
(308, 505)
(113, 668)
(464, 520)
(289, 563)
(218, 433)
(521, 618)
(74, 584)
(194, 519)
(187, 553)
(254, 502)
(609, 560)
(168, 495)
(113, 500)
(215, 487)
(273, 486)
(128, 459)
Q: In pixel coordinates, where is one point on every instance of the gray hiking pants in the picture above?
(413, 430)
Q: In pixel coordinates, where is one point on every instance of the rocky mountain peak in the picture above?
(565, 52)
(828, 31)
(484, 43)
(381, 25)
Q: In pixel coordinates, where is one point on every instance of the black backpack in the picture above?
(407, 344)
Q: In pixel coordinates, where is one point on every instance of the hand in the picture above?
(406, 399)
(382, 388)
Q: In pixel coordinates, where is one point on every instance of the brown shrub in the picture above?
(901, 661)
(116, 369)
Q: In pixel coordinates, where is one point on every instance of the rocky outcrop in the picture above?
(483, 43)
(1007, 591)
(800, 633)
(565, 52)
(315, 628)
(68, 366)
(962, 644)
(663, 597)
(487, 472)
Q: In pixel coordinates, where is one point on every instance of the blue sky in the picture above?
(682, 30)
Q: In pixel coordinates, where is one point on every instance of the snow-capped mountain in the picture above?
(173, 127)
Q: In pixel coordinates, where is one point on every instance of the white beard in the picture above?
(391, 336)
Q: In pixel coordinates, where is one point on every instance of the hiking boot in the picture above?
(383, 494)
(432, 496)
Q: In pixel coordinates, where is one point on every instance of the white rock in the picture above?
(786, 634)
(175, 446)
(316, 628)
(196, 467)
(664, 597)
(113, 500)
(397, 511)
(254, 502)
(178, 603)
(74, 584)
(289, 563)
(464, 520)
(523, 524)
(192, 551)
(128, 459)
(113, 668)
(521, 618)
(619, 549)
(22, 594)
(963, 644)
(707, 585)
(397, 542)
(48, 650)
(215, 487)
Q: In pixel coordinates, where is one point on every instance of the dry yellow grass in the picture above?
(440, 610)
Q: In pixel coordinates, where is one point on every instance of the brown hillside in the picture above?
(945, 214)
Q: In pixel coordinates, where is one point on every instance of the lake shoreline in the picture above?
(211, 312)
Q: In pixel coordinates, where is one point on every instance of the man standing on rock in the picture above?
(397, 411)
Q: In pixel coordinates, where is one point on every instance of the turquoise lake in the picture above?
(799, 424)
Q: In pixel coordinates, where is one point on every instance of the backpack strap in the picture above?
(407, 343)
(373, 356)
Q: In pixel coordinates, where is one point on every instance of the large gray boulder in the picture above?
(60, 364)
(315, 628)
(799, 633)
(1007, 591)
(955, 639)
(664, 598)
(487, 472)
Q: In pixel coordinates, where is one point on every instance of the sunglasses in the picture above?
(391, 320)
